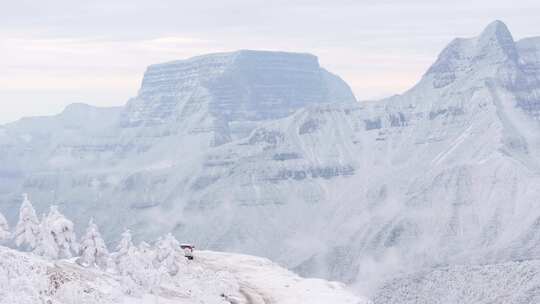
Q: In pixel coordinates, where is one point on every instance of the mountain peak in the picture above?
(493, 47)
(496, 45)
(497, 32)
(497, 28)
(77, 108)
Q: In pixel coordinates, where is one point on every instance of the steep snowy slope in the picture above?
(211, 278)
(509, 283)
(266, 154)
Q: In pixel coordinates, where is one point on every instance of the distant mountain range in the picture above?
(269, 154)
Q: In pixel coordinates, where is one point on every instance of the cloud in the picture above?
(69, 63)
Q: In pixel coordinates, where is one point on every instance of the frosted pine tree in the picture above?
(135, 264)
(166, 254)
(131, 265)
(45, 244)
(4, 229)
(57, 238)
(27, 229)
(125, 252)
(62, 230)
(93, 251)
(126, 244)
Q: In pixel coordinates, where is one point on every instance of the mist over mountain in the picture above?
(267, 153)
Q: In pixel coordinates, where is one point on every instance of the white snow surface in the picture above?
(509, 283)
(278, 285)
(212, 278)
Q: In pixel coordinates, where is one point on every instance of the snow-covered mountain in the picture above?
(268, 154)
(212, 278)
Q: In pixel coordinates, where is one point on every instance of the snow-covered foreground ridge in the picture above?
(212, 277)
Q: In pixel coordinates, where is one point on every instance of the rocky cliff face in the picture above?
(265, 153)
(233, 89)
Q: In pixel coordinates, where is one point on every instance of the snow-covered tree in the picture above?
(131, 265)
(167, 254)
(45, 244)
(135, 265)
(4, 228)
(93, 251)
(125, 252)
(56, 237)
(125, 246)
(27, 229)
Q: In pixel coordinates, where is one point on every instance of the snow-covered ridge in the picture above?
(60, 268)
(212, 278)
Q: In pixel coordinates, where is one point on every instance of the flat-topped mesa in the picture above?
(238, 86)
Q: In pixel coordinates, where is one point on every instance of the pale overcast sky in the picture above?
(57, 52)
